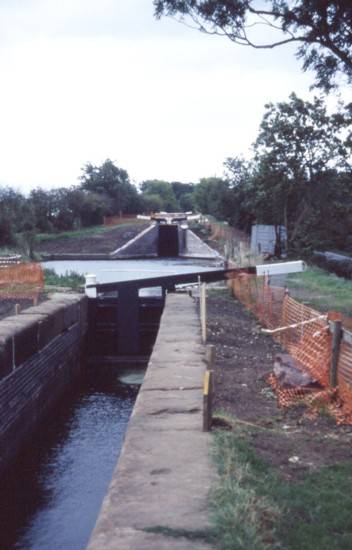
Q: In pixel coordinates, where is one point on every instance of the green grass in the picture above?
(71, 279)
(85, 232)
(8, 251)
(321, 290)
(255, 509)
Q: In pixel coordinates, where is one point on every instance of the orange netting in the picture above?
(24, 280)
(227, 233)
(304, 333)
(117, 220)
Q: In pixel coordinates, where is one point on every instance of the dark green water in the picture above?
(52, 495)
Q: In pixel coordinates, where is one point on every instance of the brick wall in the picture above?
(40, 355)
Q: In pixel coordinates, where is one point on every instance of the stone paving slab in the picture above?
(186, 376)
(164, 473)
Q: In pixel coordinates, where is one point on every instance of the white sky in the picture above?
(86, 80)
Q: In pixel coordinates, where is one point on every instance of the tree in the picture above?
(152, 203)
(298, 146)
(239, 174)
(213, 196)
(16, 210)
(187, 202)
(164, 190)
(43, 204)
(180, 189)
(112, 183)
(321, 29)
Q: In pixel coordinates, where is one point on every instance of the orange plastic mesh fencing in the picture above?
(117, 220)
(23, 280)
(227, 233)
(264, 301)
(304, 333)
(309, 343)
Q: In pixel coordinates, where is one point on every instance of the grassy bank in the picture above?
(84, 232)
(255, 509)
(70, 280)
(321, 290)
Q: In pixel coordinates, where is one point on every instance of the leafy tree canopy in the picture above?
(321, 29)
(180, 189)
(113, 183)
(300, 169)
(299, 138)
(164, 190)
(212, 196)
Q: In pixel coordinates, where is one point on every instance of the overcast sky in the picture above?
(86, 80)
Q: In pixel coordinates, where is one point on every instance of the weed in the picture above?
(85, 232)
(244, 517)
(254, 508)
(322, 290)
(71, 279)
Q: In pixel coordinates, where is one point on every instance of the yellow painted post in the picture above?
(207, 400)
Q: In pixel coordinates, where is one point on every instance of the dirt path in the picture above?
(244, 358)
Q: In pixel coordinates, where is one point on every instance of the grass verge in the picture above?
(85, 232)
(321, 290)
(71, 279)
(253, 508)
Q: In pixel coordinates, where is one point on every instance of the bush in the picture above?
(341, 268)
(6, 234)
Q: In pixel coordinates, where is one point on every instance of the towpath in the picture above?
(158, 496)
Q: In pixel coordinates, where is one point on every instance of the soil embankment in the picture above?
(102, 242)
(244, 359)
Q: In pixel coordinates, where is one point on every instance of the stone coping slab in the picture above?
(159, 490)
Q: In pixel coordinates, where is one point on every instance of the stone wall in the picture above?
(40, 354)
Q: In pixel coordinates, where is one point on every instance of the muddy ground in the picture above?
(284, 438)
(104, 242)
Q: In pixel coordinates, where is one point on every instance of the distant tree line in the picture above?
(104, 190)
(299, 177)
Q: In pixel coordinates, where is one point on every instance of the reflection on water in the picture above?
(51, 497)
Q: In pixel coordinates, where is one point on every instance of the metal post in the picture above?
(91, 279)
(336, 331)
(17, 309)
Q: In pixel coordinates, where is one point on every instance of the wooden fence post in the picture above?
(207, 400)
(210, 356)
(336, 331)
(203, 312)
